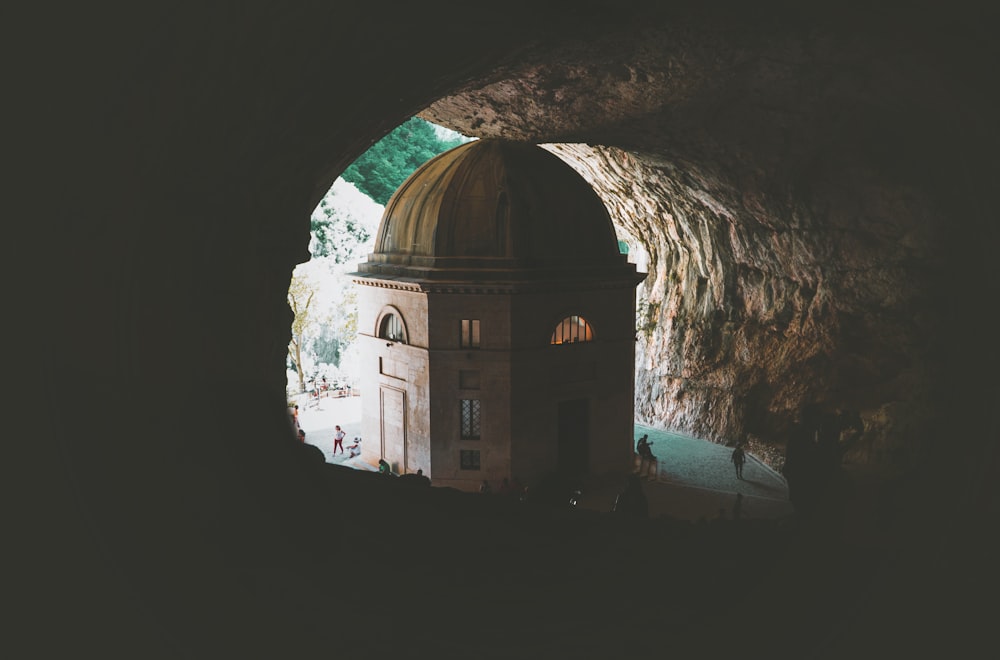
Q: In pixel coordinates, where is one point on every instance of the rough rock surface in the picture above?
(765, 181)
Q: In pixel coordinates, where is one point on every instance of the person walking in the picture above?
(338, 440)
(739, 457)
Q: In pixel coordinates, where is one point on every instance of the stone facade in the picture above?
(510, 400)
(412, 390)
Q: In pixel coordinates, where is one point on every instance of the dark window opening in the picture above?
(470, 419)
(469, 459)
(470, 333)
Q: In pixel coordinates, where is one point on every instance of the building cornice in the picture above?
(499, 288)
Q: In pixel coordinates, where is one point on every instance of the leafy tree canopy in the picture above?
(344, 224)
(388, 163)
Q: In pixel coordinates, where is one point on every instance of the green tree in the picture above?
(382, 169)
(301, 293)
(343, 223)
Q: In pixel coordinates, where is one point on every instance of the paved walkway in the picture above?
(319, 418)
(693, 478)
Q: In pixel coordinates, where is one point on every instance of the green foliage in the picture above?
(336, 235)
(327, 347)
(386, 165)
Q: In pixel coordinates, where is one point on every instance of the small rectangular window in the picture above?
(469, 333)
(470, 419)
(469, 459)
(468, 379)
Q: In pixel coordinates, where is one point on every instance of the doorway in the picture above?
(392, 403)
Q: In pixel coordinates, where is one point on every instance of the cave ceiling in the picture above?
(786, 180)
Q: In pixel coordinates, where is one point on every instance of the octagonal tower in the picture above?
(497, 323)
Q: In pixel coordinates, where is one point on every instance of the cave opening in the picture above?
(331, 401)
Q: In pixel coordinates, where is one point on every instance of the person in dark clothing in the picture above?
(646, 458)
(739, 457)
(644, 448)
(383, 468)
(415, 479)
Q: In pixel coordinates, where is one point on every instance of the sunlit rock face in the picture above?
(747, 317)
(767, 184)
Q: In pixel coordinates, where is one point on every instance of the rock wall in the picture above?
(757, 305)
(789, 188)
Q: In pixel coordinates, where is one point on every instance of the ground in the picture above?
(693, 478)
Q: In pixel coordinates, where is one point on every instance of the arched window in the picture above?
(571, 330)
(391, 328)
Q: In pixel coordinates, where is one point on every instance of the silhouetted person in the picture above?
(646, 457)
(383, 468)
(631, 501)
(415, 479)
(484, 488)
(739, 457)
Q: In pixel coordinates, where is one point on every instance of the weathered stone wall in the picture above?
(780, 191)
(756, 307)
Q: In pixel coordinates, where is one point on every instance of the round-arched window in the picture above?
(391, 328)
(572, 330)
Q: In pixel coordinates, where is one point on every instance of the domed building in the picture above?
(497, 323)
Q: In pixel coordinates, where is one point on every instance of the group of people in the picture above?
(417, 478)
(354, 449)
(338, 435)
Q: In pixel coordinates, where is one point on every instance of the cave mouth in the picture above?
(861, 152)
(320, 416)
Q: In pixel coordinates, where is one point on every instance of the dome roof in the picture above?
(498, 209)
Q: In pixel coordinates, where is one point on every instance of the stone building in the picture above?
(497, 320)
